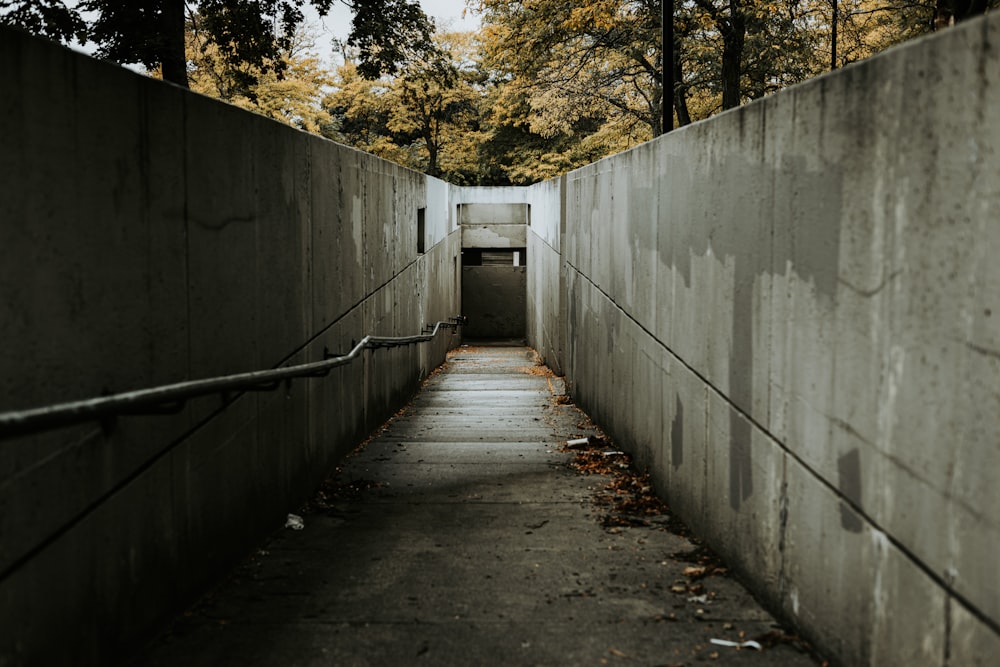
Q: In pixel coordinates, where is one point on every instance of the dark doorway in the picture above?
(494, 292)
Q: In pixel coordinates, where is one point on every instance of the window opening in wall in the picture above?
(421, 231)
(495, 257)
(498, 257)
(527, 214)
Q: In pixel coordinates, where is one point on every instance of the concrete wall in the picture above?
(791, 315)
(545, 308)
(494, 297)
(546, 317)
(149, 235)
(493, 225)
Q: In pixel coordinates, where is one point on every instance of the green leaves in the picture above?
(388, 33)
(427, 117)
(250, 34)
(51, 19)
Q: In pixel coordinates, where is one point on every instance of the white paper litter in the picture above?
(748, 644)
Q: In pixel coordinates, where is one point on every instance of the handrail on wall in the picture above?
(171, 398)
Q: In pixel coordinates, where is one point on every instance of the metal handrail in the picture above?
(172, 397)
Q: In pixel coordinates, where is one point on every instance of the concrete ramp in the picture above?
(462, 535)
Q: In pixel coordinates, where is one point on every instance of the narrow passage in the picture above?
(463, 534)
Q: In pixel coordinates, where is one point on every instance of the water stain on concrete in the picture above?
(677, 435)
(800, 232)
(849, 472)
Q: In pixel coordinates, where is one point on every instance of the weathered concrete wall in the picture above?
(495, 236)
(498, 213)
(790, 314)
(494, 225)
(545, 307)
(149, 235)
(494, 297)
(546, 317)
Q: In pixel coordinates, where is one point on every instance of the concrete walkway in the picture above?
(461, 535)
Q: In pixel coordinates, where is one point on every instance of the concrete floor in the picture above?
(460, 535)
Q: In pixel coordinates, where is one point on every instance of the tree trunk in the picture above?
(657, 112)
(952, 11)
(172, 56)
(668, 54)
(733, 37)
(833, 35)
(942, 14)
(432, 157)
(680, 95)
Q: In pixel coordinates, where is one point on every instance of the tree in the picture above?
(296, 98)
(387, 33)
(782, 46)
(730, 22)
(359, 110)
(149, 32)
(576, 59)
(434, 101)
(246, 32)
(947, 12)
(51, 19)
(514, 152)
(867, 27)
(451, 117)
(426, 118)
